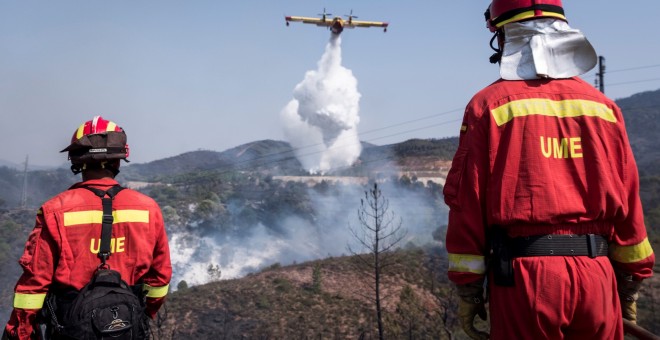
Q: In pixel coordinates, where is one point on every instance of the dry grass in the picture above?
(280, 302)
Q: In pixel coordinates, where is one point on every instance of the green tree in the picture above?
(170, 215)
(10, 233)
(410, 315)
(317, 278)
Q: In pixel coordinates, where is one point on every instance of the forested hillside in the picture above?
(642, 114)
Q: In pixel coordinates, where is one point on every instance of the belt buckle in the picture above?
(591, 245)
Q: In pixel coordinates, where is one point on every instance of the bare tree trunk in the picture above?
(380, 235)
(379, 312)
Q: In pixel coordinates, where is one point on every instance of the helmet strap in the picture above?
(78, 168)
(111, 168)
(497, 56)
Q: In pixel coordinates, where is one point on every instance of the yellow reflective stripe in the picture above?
(130, 216)
(631, 254)
(29, 301)
(79, 132)
(463, 128)
(111, 126)
(467, 263)
(552, 108)
(96, 216)
(527, 15)
(82, 217)
(156, 292)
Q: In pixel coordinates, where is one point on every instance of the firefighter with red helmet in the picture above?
(544, 190)
(60, 255)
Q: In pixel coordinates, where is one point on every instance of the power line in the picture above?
(346, 145)
(590, 73)
(245, 163)
(600, 74)
(409, 121)
(292, 152)
(634, 68)
(418, 129)
(634, 81)
(237, 166)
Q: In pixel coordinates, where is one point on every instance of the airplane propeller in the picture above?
(324, 14)
(351, 16)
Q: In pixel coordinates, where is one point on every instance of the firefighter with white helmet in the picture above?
(544, 190)
(61, 253)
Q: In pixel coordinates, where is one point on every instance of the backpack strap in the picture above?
(106, 222)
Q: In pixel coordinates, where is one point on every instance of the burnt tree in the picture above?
(377, 237)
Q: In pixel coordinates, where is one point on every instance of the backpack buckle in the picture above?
(104, 257)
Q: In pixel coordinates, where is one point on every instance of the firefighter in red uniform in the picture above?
(543, 190)
(61, 252)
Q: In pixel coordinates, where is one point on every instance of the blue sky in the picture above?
(186, 75)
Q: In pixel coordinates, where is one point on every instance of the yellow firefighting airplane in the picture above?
(336, 25)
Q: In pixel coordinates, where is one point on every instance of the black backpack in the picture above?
(107, 307)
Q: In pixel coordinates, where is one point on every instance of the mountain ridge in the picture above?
(278, 157)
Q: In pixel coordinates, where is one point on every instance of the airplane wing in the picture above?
(358, 23)
(308, 20)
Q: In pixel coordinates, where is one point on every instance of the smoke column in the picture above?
(320, 122)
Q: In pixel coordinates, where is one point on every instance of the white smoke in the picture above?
(237, 252)
(320, 122)
(233, 258)
(237, 256)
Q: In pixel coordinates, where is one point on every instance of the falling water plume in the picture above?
(321, 120)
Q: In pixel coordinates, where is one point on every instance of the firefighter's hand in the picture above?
(628, 293)
(629, 308)
(471, 304)
(467, 310)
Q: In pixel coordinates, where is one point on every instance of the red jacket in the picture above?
(62, 249)
(544, 157)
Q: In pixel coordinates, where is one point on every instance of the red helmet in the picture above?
(96, 141)
(501, 12)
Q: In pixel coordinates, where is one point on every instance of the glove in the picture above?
(628, 294)
(471, 304)
(629, 308)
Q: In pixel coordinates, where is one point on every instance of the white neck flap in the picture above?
(545, 48)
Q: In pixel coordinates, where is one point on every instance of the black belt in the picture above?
(559, 245)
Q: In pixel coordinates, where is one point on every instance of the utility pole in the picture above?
(25, 173)
(600, 80)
